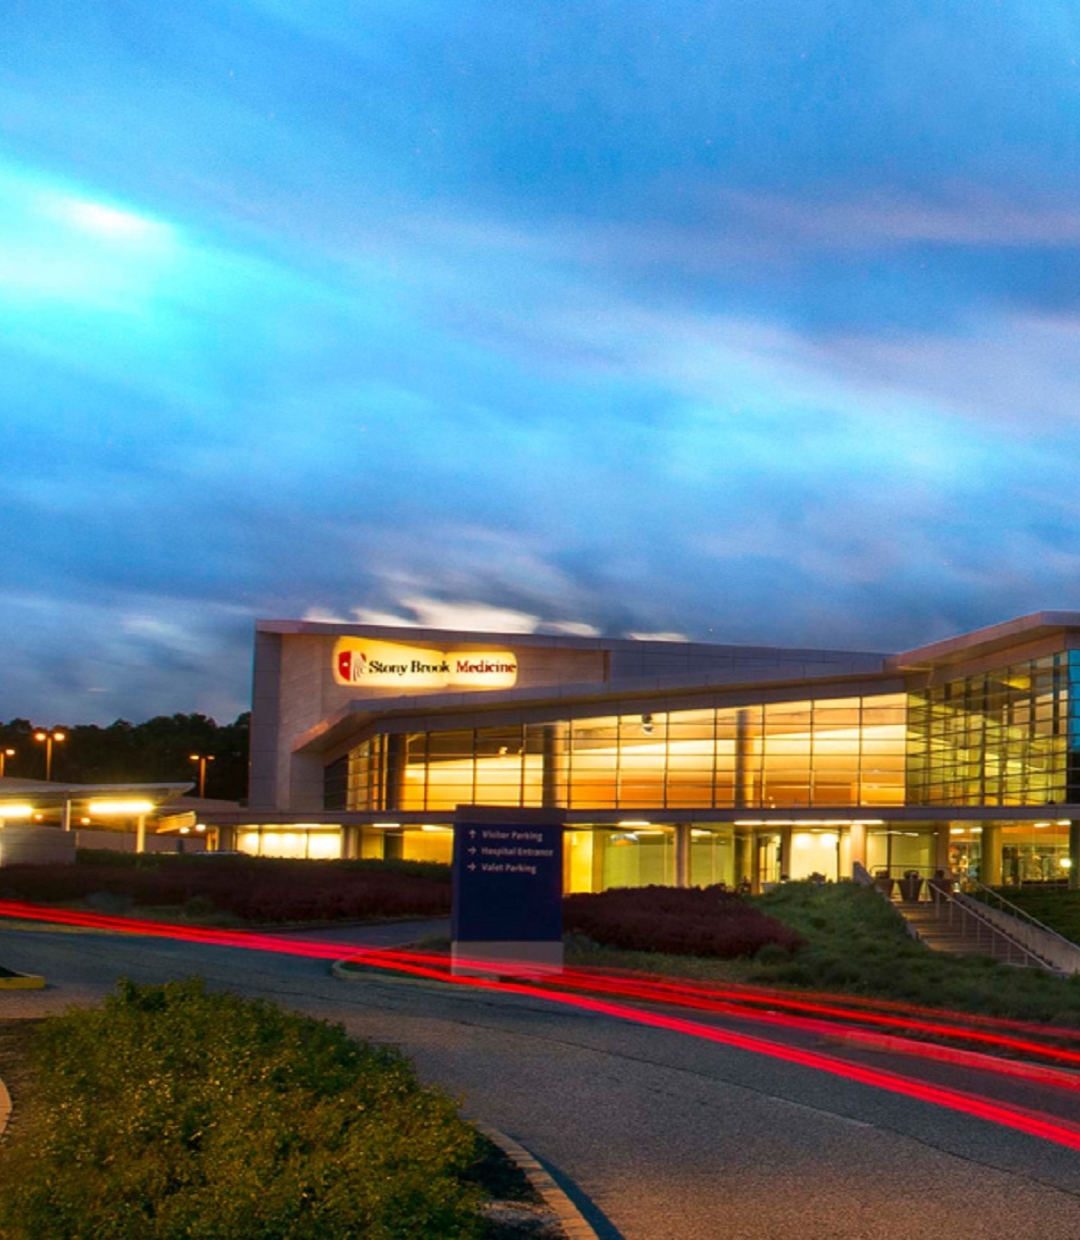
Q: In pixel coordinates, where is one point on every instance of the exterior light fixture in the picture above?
(48, 739)
(132, 806)
(17, 811)
(202, 759)
(4, 755)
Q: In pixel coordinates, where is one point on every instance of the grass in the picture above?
(855, 943)
(173, 1112)
(1056, 907)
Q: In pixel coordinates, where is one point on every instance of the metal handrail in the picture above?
(956, 901)
(944, 893)
(1014, 910)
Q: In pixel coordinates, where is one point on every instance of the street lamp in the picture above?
(49, 739)
(4, 755)
(202, 759)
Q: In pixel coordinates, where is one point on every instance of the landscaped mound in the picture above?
(683, 921)
(255, 889)
(1056, 907)
(171, 1112)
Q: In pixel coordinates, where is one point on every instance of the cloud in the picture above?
(441, 614)
(955, 215)
(93, 660)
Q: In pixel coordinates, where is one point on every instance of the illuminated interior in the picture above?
(316, 842)
(826, 752)
(1004, 737)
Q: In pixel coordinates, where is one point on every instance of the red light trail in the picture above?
(567, 990)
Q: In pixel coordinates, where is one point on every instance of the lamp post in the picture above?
(4, 755)
(202, 759)
(49, 739)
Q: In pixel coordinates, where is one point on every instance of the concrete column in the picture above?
(140, 834)
(554, 764)
(990, 864)
(396, 749)
(1074, 855)
(66, 818)
(682, 854)
(784, 858)
(941, 846)
(742, 765)
(743, 857)
(856, 847)
(755, 863)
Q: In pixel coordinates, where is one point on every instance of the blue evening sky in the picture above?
(735, 320)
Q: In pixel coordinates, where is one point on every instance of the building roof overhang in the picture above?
(822, 816)
(553, 700)
(48, 794)
(1022, 631)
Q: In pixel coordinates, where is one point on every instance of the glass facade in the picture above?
(1003, 737)
(815, 752)
(1006, 736)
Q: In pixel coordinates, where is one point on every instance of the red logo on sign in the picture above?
(351, 665)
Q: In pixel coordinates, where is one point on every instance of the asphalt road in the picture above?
(668, 1137)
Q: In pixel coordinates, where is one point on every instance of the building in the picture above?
(146, 817)
(672, 762)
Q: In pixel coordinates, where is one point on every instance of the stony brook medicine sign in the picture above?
(382, 665)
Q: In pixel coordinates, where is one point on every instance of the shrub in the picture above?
(709, 921)
(254, 889)
(171, 1112)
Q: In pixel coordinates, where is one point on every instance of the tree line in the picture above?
(157, 751)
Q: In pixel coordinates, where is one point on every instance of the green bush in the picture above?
(171, 1112)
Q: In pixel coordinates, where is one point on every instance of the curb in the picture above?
(893, 1044)
(570, 1218)
(340, 969)
(21, 981)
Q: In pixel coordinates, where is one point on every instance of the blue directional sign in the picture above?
(507, 882)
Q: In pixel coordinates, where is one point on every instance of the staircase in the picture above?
(951, 922)
(940, 925)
